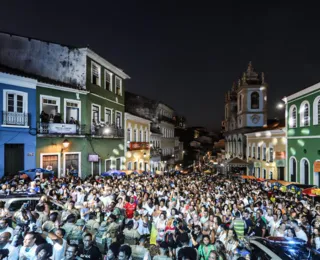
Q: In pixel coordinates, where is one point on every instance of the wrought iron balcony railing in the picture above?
(14, 118)
(60, 128)
(110, 131)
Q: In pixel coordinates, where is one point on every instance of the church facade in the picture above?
(245, 112)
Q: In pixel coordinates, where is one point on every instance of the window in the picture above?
(140, 139)
(118, 86)
(259, 148)
(135, 166)
(95, 114)
(15, 108)
(108, 165)
(253, 151)
(145, 136)
(129, 134)
(270, 175)
(108, 80)
(118, 164)
(72, 111)
(50, 162)
(293, 117)
(264, 176)
(304, 114)
(264, 152)
(118, 119)
(129, 167)
(316, 111)
(135, 135)
(271, 154)
(95, 74)
(255, 100)
(141, 166)
(108, 116)
(249, 150)
(293, 169)
(72, 164)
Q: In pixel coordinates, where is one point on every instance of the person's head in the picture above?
(232, 234)
(60, 232)
(3, 224)
(29, 239)
(40, 208)
(44, 251)
(113, 251)
(87, 241)
(4, 238)
(237, 215)
(291, 232)
(294, 224)
(206, 240)
(213, 255)
(53, 216)
(259, 213)
(124, 252)
(71, 252)
(70, 205)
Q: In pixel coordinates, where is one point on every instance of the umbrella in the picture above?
(260, 180)
(113, 173)
(312, 192)
(33, 172)
(249, 177)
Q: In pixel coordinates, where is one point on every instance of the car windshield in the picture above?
(290, 251)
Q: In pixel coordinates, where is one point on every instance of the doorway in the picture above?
(281, 173)
(13, 159)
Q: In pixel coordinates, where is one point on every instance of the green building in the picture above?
(80, 105)
(303, 135)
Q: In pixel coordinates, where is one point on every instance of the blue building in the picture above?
(17, 122)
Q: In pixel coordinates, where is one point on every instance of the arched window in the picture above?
(316, 111)
(249, 150)
(293, 169)
(135, 135)
(129, 135)
(253, 151)
(270, 175)
(141, 166)
(264, 176)
(255, 100)
(293, 117)
(304, 171)
(304, 114)
(129, 166)
(140, 137)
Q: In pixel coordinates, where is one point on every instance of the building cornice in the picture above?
(120, 104)
(18, 81)
(303, 92)
(266, 133)
(46, 85)
(134, 118)
(94, 56)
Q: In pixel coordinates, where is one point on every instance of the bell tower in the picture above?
(252, 99)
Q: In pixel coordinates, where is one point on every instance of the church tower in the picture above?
(251, 99)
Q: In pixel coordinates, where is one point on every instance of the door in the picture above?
(281, 173)
(50, 162)
(13, 159)
(96, 168)
(72, 164)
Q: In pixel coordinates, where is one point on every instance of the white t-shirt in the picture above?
(13, 252)
(302, 235)
(58, 251)
(29, 253)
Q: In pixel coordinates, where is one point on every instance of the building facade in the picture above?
(102, 113)
(137, 140)
(18, 121)
(266, 152)
(245, 111)
(303, 134)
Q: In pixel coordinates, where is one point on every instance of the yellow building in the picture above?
(137, 143)
(266, 152)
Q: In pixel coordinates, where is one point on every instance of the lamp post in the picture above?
(65, 144)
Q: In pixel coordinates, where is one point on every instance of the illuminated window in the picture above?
(108, 80)
(95, 73)
(271, 154)
(316, 111)
(304, 114)
(140, 134)
(253, 151)
(264, 152)
(118, 86)
(259, 148)
(249, 150)
(255, 100)
(129, 136)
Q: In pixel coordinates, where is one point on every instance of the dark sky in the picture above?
(186, 55)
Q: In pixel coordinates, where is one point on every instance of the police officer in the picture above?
(76, 236)
(70, 227)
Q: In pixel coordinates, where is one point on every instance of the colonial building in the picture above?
(87, 90)
(303, 132)
(137, 141)
(18, 121)
(245, 111)
(266, 152)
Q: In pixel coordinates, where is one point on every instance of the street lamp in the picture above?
(65, 144)
(280, 105)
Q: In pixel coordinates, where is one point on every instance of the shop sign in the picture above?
(139, 146)
(280, 163)
(280, 155)
(257, 164)
(62, 128)
(316, 166)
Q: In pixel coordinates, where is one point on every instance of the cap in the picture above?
(103, 226)
(80, 222)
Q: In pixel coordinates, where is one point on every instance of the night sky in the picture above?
(186, 55)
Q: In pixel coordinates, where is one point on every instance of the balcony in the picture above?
(107, 131)
(154, 152)
(139, 146)
(58, 129)
(155, 130)
(167, 119)
(15, 119)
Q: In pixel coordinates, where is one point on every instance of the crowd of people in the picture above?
(194, 216)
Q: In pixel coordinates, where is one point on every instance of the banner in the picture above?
(139, 146)
(62, 128)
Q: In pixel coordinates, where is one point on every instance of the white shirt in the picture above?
(302, 235)
(58, 251)
(13, 252)
(30, 255)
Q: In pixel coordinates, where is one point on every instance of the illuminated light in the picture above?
(165, 161)
(124, 159)
(65, 143)
(107, 131)
(267, 164)
(260, 143)
(136, 155)
(292, 151)
(262, 88)
(258, 134)
(274, 141)
(280, 106)
(268, 134)
(128, 142)
(121, 147)
(284, 140)
(291, 132)
(115, 151)
(305, 131)
(265, 98)
(215, 163)
(112, 157)
(123, 168)
(129, 154)
(301, 142)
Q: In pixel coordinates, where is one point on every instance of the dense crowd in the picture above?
(194, 216)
